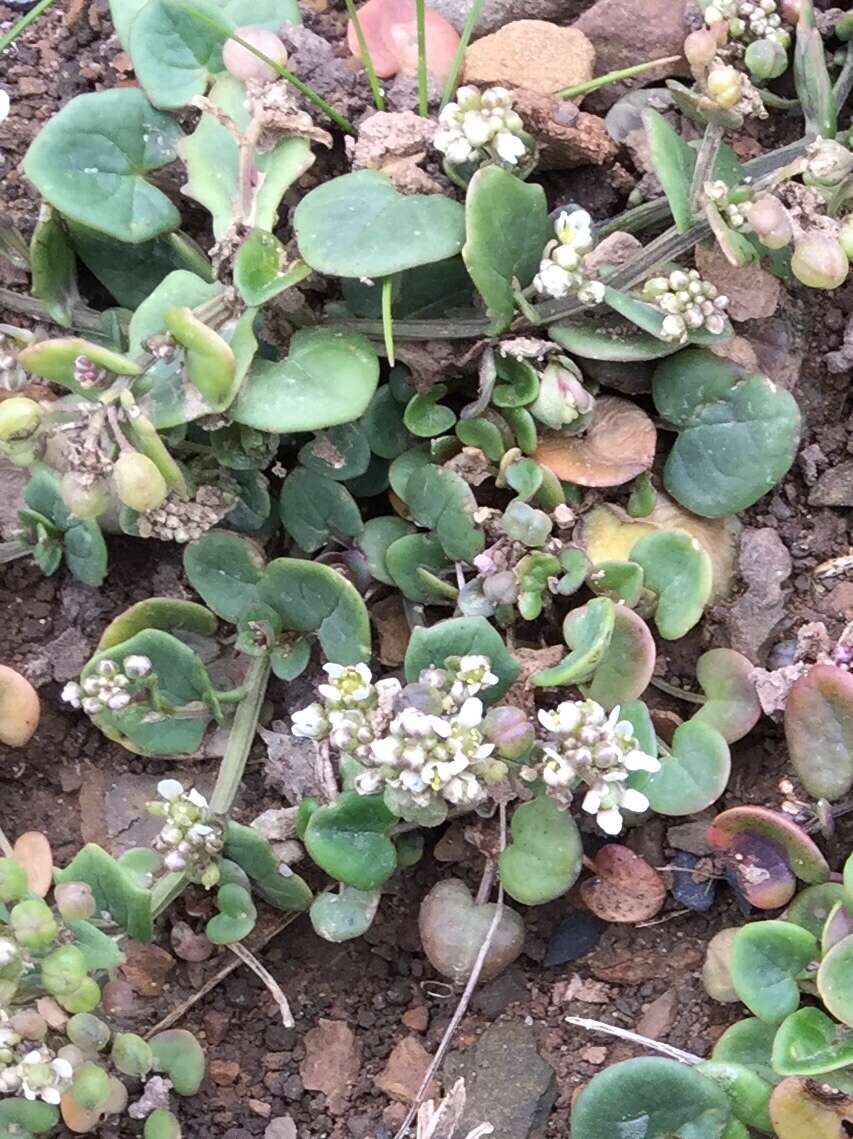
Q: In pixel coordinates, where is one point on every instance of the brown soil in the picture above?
(53, 784)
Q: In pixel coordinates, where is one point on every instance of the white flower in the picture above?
(575, 229)
(309, 723)
(511, 149)
(478, 128)
(592, 293)
(552, 281)
(118, 701)
(170, 789)
(350, 684)
(9, 951)
(174, 862)
(196, 798)
(72, 694)
(137, 666)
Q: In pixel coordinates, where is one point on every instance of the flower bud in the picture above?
(509, 729)
(820, 262)
(771, 222)
(138, 482)
(724, 87)
(244, 64)
(137, 666)
(75, 901)
(845, 237)
(19, 417)
(766, 59)
(700, 48)
(33, 924)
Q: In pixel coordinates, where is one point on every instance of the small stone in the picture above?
(659, 1017)
(834, 487)
(753, 292)
(764, 563)
(224, 1072)
(259, 1107)
(494, 14)
(692, 837)
(533, 54)
(404, 1072)
(451, 846)
(594, 1054)
(332, 1061)
(495, 997)
(282, 1127)
(417, 1019)
(575, 936)
(146, 968)
(583, 989)
(693, 891)
(564, 144)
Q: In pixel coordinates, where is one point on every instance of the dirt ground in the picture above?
(645, 978)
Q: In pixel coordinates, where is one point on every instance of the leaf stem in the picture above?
(679, 693)
(420, 11)
(240, 737)
(388, 319)
(844, 82)
(9, 37)
(459, 54)
(366, 57)
(615, 77)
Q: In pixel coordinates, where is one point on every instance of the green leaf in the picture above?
(679, 571)
(344, 914)
(261, 269)
(610, 340)
(812, 906)
(747, 1092)
(673, 161)
(22, 1117)
(650, 1098)
(626, 668)
(767, 959)
(327, 378)
(732, 705)
(442, 500)
(90, 160)
(462, 636)
(312, 597)
(86, 552)
(587, 632)
(749, 1042)
(212, 157)
(236, 918)
(811, 77)
(339, 453)
(179, 1055)
(692, 777)
(225, 569)
(426, 292)
(378, 534)
(315, 509)
(174, 54)
(114, 889)
(808, 1043)
(415, 563)
(425, 416)
(737, 432)
(99, 949)
(167, 613)
(507, 227)
(620, 581)
(251, 851)
(351, 226)
(545, 856)
(123, 13)
(349, 840)
(53, 267)
(55, 360)
(833, 980)
(819, 730)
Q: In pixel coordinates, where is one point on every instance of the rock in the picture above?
(417, 1019)
(594, 1054)
(740, 351)
(566, 136)
(533, 54)
(839, 603)
(692, 836)
(496, 14)
(659, 1017)
(579, 988)
(690, 889)
(834, 487)
(495, 997)
(332, 1061)
(263, 1109)
(613, 250)
(12, 482)
(764, 563)
(575, 936)
(753, 292)
(146, 968)
(224, 1073)
(451, 847)
(507, 1083)
(404, 1072)
(395, 142)
(625, 32)
(282, 1127)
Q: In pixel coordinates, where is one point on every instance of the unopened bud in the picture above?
(244, 64)
(700, 48)
(828, 162)
(845, 237)
(820, 262)
(724, 87)
(19, 417)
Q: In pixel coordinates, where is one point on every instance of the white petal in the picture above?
(170, 789)
(196, 798)
(62, 1067)
(471, 713)
(610, 821)
(591, 801)
(633, 800)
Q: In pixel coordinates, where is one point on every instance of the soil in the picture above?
(56, 784)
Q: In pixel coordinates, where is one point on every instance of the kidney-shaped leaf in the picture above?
(805, 859)
(819, 730)
(618, 445)
(327, 378)
(679, 572)
(349, 840)
(768, 959)
(90, 160)
(462, 636)
(443, 501)
(809, 1042)
(650, 1098)
(625, 670)
(737, 432)
(359, 225)
(315, 508)
(732, 705)
(625, 889)
(545, 855)
(692, 776)
(453, 929)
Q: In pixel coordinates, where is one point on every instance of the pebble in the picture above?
(417, 1019)
(224, 1072)
(533, 54)
(406, 1067)
(696, 896)
(834, 487)
(282, 1127)
(494, 14)
(659, 1017)
(594, 1054)
(332, 1061)
(575, 936)
(753, 293)
(692, 836)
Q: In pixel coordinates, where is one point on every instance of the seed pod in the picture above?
(63, 970)
(33, 924)
(75, 901)
(820, 262)
(700, 48)
(244, 65)
(845, 237)
(138, 483)
(211, 365)
(766, 59)
(82, 499)
(19, 417)
(771, 222)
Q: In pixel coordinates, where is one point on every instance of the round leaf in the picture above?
(377, 535)
(315, 509)
(349, 840)
(819, 730)
(678, 570)
(339, 453)
(692, 777)
(749, 1042)
(443, 501)
(345, 914)
(236, 918)
(618, 445)
(414, 563)
(833, 980)
(588, 632)
(812, 906)
(809, 1043)
(732, 705)
(625, 670)
(462, 636)
(179, 1055)
(167, 613)
(545, 856)
(767, 960)
(225, 569)
(805, 859)
(800, 1107)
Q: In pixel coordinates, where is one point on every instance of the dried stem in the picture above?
(635, 1038)
(707, 156)
(464, 1000)
(268, 979)
(5, 845)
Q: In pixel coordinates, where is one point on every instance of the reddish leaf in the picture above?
(626, 889)
(804, 858)
(819, 730)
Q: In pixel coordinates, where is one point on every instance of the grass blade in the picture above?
(465, 39)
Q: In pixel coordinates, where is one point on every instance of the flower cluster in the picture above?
(688, 303)
(479, 128)
(179, 521)
(110, 688)
(88, 374)
(191, 839)
(424, 744)
(585, 745)
(35, 1073)
(718, 193)
(749, 20)
(561, 270)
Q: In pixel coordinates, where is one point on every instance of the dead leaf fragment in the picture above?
(618, 445)
(32, 851)
(626, 888)
(332, 1061)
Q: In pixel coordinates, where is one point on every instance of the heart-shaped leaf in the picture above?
(378, 534)
(809, 1043)
(692, 776)
(90, 160)
(225, 569)
(767, 961)
(327, 378)
(443, 501)
(312, 597)
(819, 730)
(114, 889)
(833, 980)
(344, 914)
(425, 416)
(415, 564)
(618, 444)
(349, 840)
(507, 228)
(737, 432)
(544, 858)
(453, 930)
(732, 705)
(804, 857)
(625, 889)
(236, 918)
(174, 53)
(315, 509)
(430, 647)
(212, 157)
(179, 1055)
(350, 227)
(761, 869)
(678, 571)
(650, 1098)
(748, 1093)
(625, 670)
(620, 581)
(251, 852)
(587, 632)
(800, 1107)
(749, 1042)
(340, 453)
(167, 613)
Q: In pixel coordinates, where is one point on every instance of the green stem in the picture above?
(240, 737)
(844, 82)
(366, 57)
(459, 54)
(615, 77)
(387, 319)
(24, 23)
(420, 11)
(232, 695)
(167, 890)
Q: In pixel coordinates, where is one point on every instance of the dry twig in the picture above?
(635, 1038)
